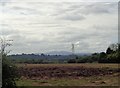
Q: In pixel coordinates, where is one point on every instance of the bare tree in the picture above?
(3, 44)
(9, 70)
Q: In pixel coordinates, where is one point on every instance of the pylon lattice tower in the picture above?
(73, 48)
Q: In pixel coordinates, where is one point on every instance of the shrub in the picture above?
(9, 73)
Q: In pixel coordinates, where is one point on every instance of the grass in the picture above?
(92, 65)
(107, 80)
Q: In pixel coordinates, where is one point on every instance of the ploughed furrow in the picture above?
(62, 72)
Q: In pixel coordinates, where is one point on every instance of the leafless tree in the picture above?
(3, 44)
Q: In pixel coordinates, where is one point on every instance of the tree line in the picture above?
(110, 56)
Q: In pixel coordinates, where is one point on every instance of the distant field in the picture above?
(88, 65)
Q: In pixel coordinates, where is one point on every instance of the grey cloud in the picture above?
(72, 12)
(95, 8)
(8, 30)
(105, 31)
(99, 8)
(18, 38)
(53, 25)
(23, 10)
(103, 27)
(72, 17)
(72, 36)
(78, 11)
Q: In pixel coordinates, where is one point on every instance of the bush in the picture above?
(84, 60)
(72, 61)
(9, 73)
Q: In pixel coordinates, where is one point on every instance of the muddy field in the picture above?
(64, 71)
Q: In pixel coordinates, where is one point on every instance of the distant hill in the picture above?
(82, 54)
(59, 53)
(66, 53)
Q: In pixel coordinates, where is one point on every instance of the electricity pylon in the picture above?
(73, 48)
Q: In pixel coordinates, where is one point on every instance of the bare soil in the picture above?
(48, 72)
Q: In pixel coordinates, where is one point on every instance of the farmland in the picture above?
(68, 74)
(92, 65)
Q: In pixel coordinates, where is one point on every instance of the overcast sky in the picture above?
(37, 27)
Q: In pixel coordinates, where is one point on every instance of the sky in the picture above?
(37, 26)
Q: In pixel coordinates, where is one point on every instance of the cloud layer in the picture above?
(39, 27)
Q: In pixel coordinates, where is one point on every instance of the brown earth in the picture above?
(64, 72)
